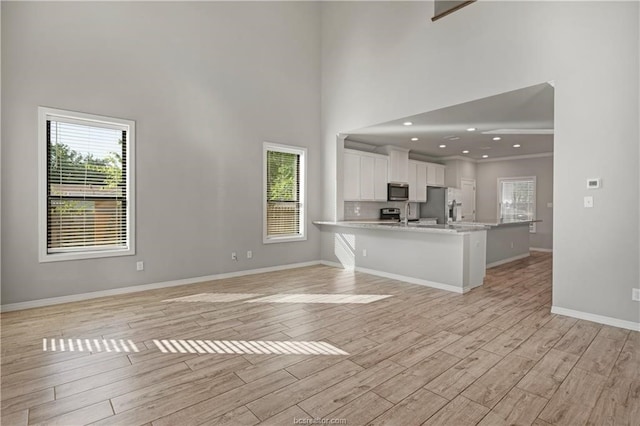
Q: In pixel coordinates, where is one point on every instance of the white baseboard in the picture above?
(332, 264)
(510, 259)
(600, 319)
(545, 250)
(412, 280)
(153, 286)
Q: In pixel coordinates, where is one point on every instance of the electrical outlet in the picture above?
(234, 255)
(512, 245)
(249, 254)
(588, 202)
(364, 252)
(635, 294)
(140, 265)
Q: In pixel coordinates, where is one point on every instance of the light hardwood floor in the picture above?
(495, 356)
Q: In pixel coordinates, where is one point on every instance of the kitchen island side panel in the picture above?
(435, 258)
(507, 243)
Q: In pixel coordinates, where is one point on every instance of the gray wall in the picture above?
(458, 170)
(487, 192)
(386, 60)
(206, 83)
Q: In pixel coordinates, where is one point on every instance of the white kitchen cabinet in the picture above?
(418, 171)
(440, 175)
(351, 177)
(367, 173)
(413, 174)
(435, 174)
(431, 174)
(380, 178)
(398, 163)
(365, 176)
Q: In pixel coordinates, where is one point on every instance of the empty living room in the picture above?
(196, 230)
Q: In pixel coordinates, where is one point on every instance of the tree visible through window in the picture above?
(517, 199)
(284, 170)
(88, 200)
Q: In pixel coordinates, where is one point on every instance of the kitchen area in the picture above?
(440, 217)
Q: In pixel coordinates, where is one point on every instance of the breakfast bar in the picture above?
(448, 257)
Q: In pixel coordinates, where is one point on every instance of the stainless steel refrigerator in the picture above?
(443, 204)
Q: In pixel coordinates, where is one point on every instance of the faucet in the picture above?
(407, 210)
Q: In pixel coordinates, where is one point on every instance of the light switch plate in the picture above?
(635, 294)
(588, 202)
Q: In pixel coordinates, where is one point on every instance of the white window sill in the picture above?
(61, 257)
(284, 239)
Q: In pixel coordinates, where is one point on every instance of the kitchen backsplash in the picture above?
(354, 210)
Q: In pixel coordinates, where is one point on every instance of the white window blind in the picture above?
(88, 191)
(517, 199)
(284, 193)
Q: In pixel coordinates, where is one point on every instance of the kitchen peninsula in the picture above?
(507, 240)
(448, 257)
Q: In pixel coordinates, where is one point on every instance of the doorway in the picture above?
(468, 187)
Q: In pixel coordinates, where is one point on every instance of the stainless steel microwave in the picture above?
(397, 191)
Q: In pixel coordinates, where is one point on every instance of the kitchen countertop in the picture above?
(410, 227)
(494, 223)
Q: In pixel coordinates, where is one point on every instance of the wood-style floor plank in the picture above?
(495, 355)
(516, 408)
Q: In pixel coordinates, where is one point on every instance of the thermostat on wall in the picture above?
(593, 183)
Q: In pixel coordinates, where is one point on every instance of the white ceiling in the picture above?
(527, 110)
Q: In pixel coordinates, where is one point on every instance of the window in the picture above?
(86, 188)
(284, 193)
(517, 200)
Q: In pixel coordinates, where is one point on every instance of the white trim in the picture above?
(510, 259)
(600, 319)
(544, 250)
(516, 157)
(457, 157)
(411, 280)
(490, 160)
(332, 264)
(302, 152)
(153, 286)
(129, 126)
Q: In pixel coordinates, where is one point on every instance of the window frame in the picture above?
(289, 149)
(45, 114)
(532, 225)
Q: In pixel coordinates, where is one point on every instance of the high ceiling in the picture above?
(523, 117)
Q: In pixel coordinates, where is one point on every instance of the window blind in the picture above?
(517, 199)
(86, 186)
(284, 205)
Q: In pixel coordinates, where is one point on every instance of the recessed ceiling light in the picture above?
(443, 146)
(517, 145)
(454, 138)
(407, 123)
(497, 138)
(471, 129)
(465, 151)
(485, 156)
(414, 139)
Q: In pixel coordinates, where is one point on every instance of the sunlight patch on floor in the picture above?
(320, 298)
(214, 297)
(88, 345)
(280, 298)
(247, 347)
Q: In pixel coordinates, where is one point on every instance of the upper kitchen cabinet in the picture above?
(418, 181)
(398, 163)
(435, 174)
(365, 176)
